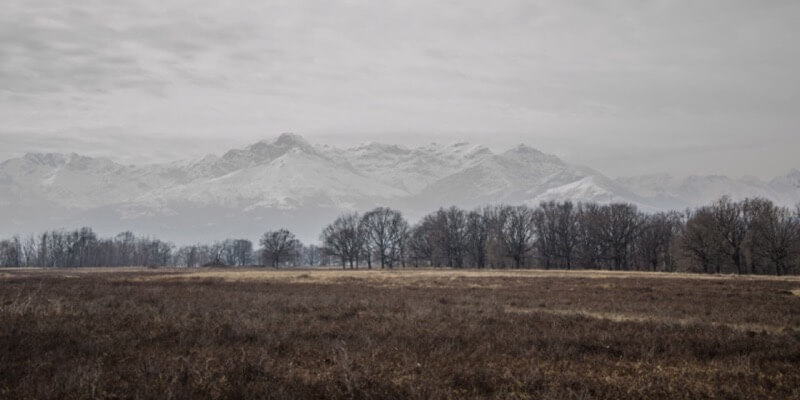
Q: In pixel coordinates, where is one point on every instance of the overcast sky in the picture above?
(627, 87)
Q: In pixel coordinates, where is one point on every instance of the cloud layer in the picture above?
(630, 86)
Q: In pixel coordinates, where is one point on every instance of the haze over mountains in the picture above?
(289, 182)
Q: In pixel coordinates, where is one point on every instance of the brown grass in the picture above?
(138, 333)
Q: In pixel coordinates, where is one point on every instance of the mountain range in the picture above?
(289, 182)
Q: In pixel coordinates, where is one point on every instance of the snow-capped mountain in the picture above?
(666, 192)
(290, 182)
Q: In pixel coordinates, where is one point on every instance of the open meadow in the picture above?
(256, 333)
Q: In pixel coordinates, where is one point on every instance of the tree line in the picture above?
(83, 248)
(753, 236)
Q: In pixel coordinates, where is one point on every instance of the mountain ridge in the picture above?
(289, 179)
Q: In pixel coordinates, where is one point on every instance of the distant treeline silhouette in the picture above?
(753, 236)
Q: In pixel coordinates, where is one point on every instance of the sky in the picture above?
(628, 87)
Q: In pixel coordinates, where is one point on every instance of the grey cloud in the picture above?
(648, 76)
(84, 46)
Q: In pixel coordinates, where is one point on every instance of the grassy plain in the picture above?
(140, 333)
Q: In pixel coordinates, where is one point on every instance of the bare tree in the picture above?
(752, 210)
(516, 233)
(421, 240)
(222, 254)
(731, 227)
(30, 251)
(567, 232)
(448, 230)
(544, 222)
(344, 239)
(11, 253)
(557, 233)
(312, 255)
(242, 251)
(591, 247)
(619, 225)
(655, 238)
(608, 233)
(700, 239)
(477, 237)
(279, 247)
(186, 256)
(778, 237)
(126, 243)
(385, 232)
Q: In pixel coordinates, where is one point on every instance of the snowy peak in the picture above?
(407, 169)
(268, 150)
(792, 176)
(263, 152)
(523, 149)
(57, 160)
(665, 191)
(456, 152)
(529, 156)
(47, 159)
(33, 165)
(523, 175)
(788, 185)
(377, 149)
(292, 140)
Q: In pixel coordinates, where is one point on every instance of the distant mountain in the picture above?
(290, 182)
(666, 192)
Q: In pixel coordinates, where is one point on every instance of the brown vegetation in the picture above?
(413, 334)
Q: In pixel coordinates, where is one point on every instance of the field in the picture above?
(141, 333)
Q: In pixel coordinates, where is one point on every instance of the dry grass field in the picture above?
(139, 333)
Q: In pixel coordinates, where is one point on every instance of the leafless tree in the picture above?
(311, 255)
(344, 239)
(516, 233)
(448, 230)
(385, 232)
(126, 243)
(187, 256)
(279, 247)
(609, 232)
(623, 224)
(731, 227)
(700, 239)
(655, 239)
(11, 252)
(567, 232)
(478, 230)
(557, 233)
(752, 210)
(242, 251)
(421, 242)
(544, 222)
(777, 231)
